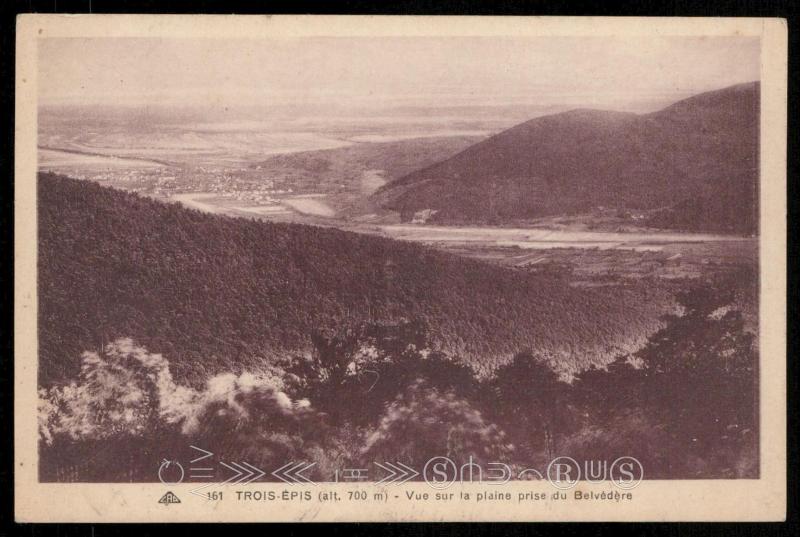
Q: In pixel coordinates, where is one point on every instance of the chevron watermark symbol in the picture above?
(292, 473)
(399, 473)
(244, 473)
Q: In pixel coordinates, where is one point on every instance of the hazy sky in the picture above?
(614, 73)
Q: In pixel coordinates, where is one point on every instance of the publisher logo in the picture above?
(169, 498)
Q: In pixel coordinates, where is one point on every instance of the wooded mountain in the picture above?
(693, 165)
(219, 294)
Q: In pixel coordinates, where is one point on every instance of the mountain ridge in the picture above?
(701, 151)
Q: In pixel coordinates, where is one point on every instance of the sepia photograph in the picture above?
(398, 259)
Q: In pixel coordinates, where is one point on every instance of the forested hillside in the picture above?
(218, 294)
(693, 166)
(685, 407)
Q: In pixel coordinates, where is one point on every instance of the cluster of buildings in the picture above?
(242, 184)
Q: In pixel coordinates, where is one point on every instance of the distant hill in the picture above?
(693, 165)
(349, 174)
(396, 158)
(213, 293)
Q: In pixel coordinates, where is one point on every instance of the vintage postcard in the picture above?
(347, 268)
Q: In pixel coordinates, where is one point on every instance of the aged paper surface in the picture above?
(560, 296)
